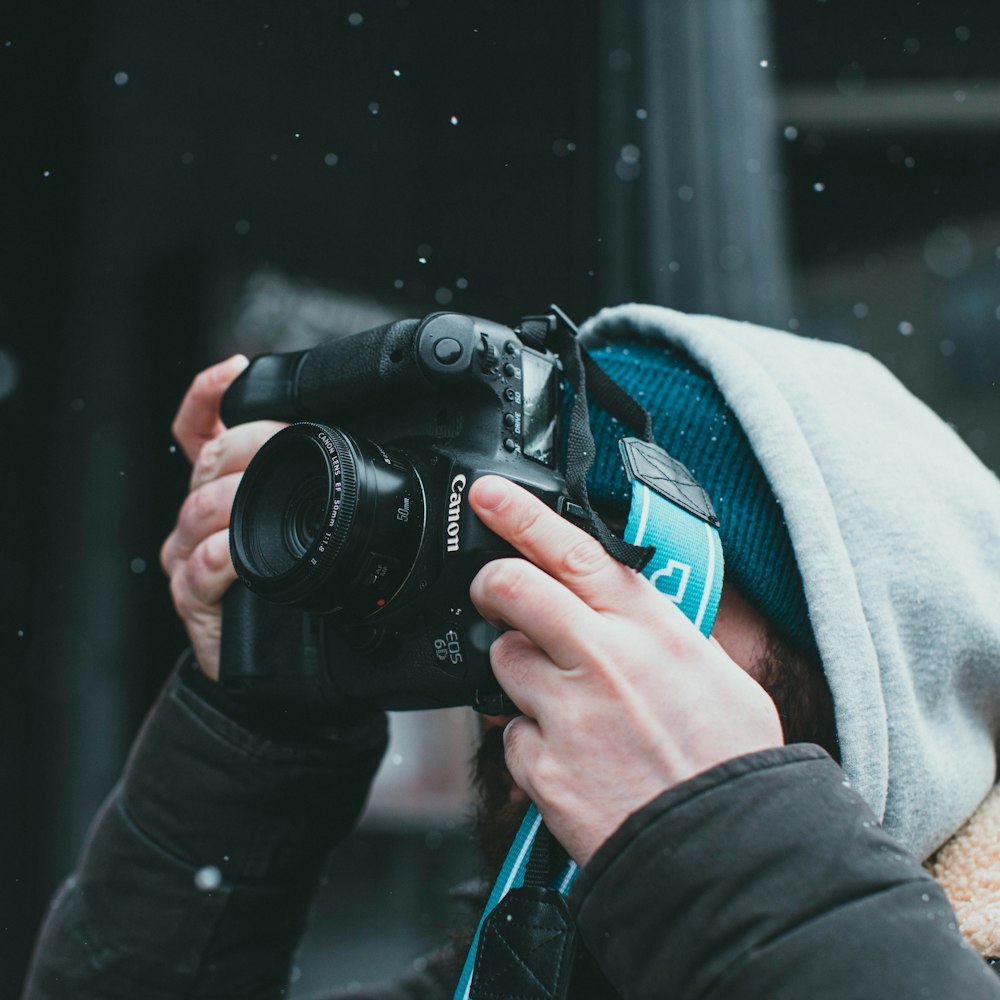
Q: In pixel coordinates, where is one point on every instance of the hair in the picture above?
(797, 686)
(496, 818)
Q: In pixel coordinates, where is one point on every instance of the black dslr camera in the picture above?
(351, 528)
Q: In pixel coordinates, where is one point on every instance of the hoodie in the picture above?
(895, 528)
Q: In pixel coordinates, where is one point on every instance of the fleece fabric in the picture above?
(895, 526)
(968, 868)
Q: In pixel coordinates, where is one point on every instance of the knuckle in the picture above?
(212, 557)
(527, 524)
(507, 656)
(199, 506)
(501, 649)
(208, 457)
(197, 567)
(513, 740)
(204, 381)
(166, 553)
(583, 557)
(505, 578)
(545, 776)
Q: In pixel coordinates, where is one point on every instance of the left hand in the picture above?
(622, 696)
(195, 555)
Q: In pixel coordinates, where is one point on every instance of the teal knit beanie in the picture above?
(693, 423)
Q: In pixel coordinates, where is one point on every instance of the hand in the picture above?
(622, 696)
(196, 553)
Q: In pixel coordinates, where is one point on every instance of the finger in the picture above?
(231, 450)
(529, 600)
(522, 746)
(197, 419)
(204, 578)
(551, 542)
(526, 674)
(205, 511)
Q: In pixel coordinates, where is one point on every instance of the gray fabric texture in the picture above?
(895, 525)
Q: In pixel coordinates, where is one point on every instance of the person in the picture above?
(750, 812)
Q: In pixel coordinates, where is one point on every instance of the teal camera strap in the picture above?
(523, 945)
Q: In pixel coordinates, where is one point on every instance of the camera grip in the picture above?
(315, 384)
(346, 371)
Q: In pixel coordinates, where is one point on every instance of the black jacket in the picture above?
(764, 878)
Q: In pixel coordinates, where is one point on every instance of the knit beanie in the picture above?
(692, 422)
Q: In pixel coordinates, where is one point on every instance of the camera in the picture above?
(351, 529)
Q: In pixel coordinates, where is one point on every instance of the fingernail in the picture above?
(492, 492)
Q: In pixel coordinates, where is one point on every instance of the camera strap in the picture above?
(581, 372)
(523, 947)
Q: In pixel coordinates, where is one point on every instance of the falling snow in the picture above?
(208, 878)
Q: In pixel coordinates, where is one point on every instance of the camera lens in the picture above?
(327, 522)
(304, 515)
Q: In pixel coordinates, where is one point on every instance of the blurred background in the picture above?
(179, 181)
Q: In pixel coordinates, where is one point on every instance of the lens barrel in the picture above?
(327, 522)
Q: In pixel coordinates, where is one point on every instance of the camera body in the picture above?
(352, 527)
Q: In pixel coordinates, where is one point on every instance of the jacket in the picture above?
(765, 877)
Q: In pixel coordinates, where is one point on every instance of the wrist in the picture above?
(206, 789)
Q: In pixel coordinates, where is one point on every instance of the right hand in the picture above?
(195, 555)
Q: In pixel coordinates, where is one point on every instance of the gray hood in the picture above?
(895, 525)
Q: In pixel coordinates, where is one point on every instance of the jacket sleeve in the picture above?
(768, 878)
(198, 871)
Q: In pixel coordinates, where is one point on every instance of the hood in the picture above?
(895, 527)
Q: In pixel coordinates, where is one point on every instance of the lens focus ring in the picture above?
(326, 522)
(305, 466)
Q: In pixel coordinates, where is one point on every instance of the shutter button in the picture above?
(447, 350)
